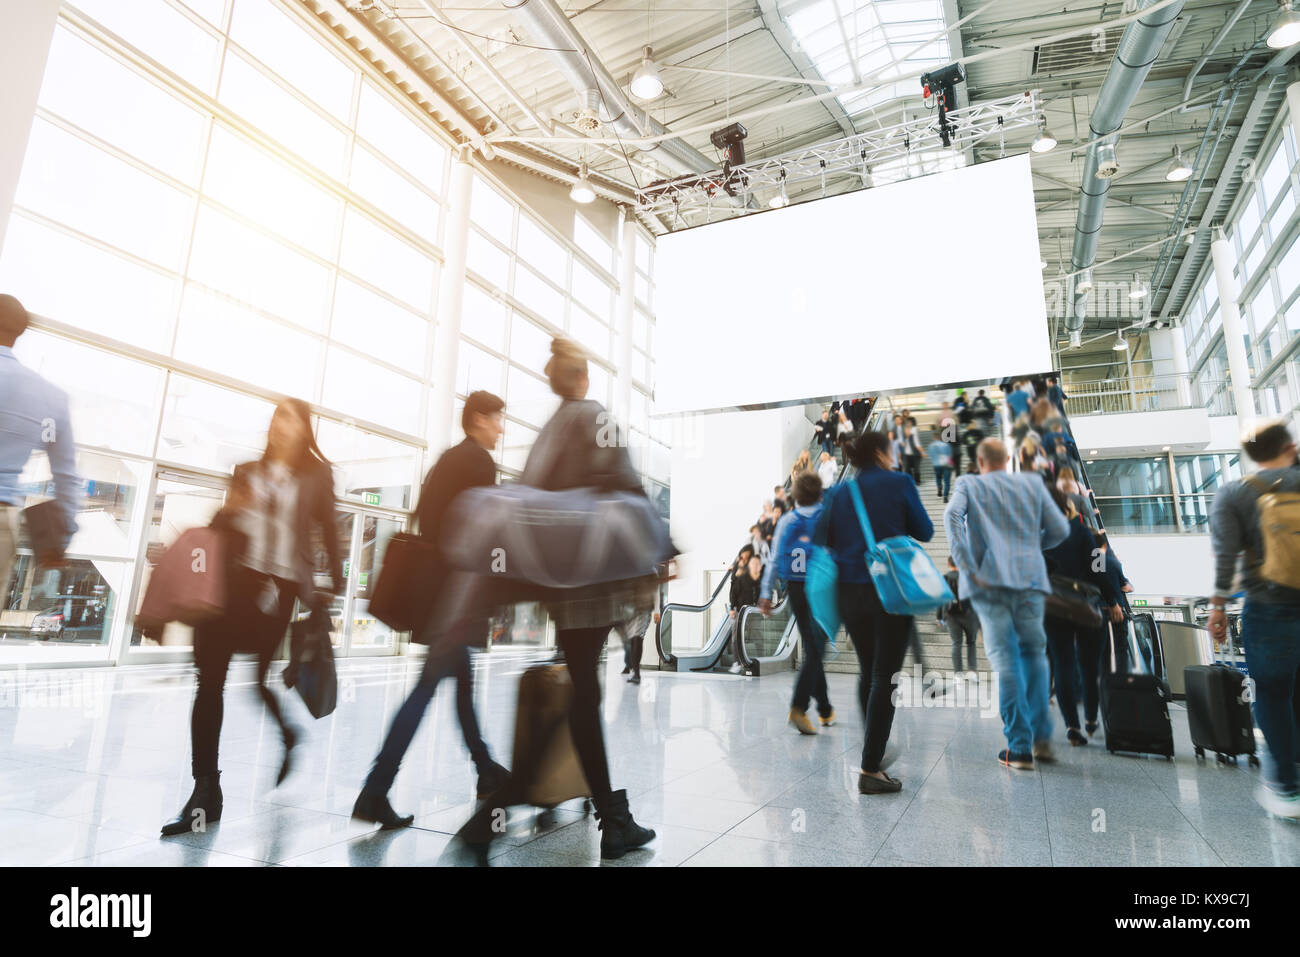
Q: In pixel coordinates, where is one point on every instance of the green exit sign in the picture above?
(372, 498)
(1140, 601)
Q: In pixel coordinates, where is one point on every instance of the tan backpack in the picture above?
(1279, 528)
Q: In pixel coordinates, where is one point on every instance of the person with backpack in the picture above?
(960, 619)
(1257, 519)
(893, 507)
(791, 548)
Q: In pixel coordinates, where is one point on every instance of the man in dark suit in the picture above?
(466, 465)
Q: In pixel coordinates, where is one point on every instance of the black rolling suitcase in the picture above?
(1135, 707)
(1218, 712)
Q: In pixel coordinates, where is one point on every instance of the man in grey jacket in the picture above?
(1270, 616)
(998, 524)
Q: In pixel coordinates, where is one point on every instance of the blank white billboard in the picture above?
(930, 281)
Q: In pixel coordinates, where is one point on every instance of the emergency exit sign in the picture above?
(372, 498)
(1140, 601)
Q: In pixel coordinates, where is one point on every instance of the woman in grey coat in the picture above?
(580, 448)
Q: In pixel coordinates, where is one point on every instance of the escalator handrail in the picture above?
(738, 637)
(682, 606)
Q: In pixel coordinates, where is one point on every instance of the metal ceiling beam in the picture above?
(484, 62)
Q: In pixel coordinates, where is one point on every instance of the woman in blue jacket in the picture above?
(894, 508)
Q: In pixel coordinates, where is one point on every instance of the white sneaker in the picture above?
(1276, 804)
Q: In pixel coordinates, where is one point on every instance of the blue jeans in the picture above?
(1016, 646)
(1270, 633)
(442, 662)
(943, 479)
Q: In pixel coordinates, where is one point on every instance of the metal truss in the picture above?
(854, 155)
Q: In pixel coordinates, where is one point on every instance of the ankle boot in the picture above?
(203, 807)
(619, 833)
(290, 739)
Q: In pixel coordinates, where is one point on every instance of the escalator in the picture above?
(767, 644)
(697, 637)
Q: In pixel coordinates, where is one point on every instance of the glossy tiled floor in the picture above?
(91, 762)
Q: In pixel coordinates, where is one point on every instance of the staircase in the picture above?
(936, 646)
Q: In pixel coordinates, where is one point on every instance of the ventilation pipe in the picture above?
(591, 80)
(1137, 52)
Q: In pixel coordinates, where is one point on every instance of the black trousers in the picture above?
(1075, 650)
(879, 639)
(243, 627)
(811, 682)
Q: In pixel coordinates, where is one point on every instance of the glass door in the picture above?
(357, 632)
(181, 501)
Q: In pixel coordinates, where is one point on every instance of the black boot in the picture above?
(492, 777)
(619, 833)
(203, 807)
(375, 809)
(290, 739)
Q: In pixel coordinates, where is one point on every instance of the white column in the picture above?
(1178, 350)
(24, 48)
(1293, 104)
(451, 293)
(1238, 367)
(623, 321)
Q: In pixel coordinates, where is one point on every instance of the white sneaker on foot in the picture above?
(1278, 805)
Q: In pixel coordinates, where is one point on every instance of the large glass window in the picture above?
(240, 261)
(286, 242)
(112, 296)
(399, 138)
(383, 260)
(163, 33)
(286, 48)
(88, 87)
(113, 401)
(271, 194)
(73, 182)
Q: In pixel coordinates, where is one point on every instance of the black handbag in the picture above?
(311, 663)
(408, 583)
(1075, 602)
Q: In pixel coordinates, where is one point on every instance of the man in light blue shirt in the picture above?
(998, 524)
(33, 416)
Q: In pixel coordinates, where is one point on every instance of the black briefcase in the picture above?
(408, 583)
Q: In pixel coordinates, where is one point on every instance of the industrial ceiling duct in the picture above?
(1134, 57)
(585, 72)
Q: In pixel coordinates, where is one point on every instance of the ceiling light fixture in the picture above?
(646, 83)
(1285, 31)
(782, 198)
(1044, 141)
(1139, 289)
(582, 191)
(1178, 169)
(1121, 344)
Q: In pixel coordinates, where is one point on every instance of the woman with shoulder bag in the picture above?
(1076, 648)
(574, 450)
(893, 507)
(275, 505)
